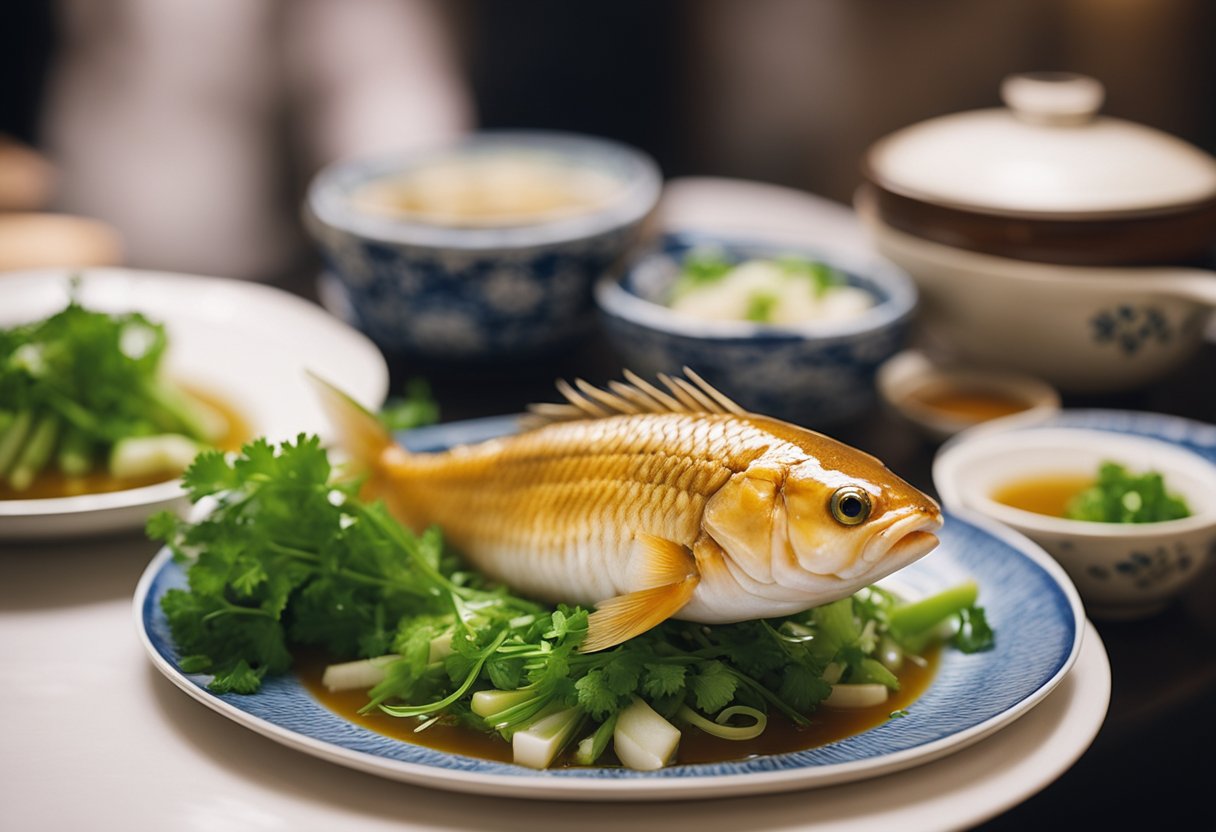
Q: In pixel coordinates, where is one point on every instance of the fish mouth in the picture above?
(907, 538)
(913, 545)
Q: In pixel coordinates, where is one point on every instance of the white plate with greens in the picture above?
(246, 344)
(1030, 603)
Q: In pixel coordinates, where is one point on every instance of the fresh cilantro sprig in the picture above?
(288, 556)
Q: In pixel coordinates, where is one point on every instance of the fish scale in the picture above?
(598, 482)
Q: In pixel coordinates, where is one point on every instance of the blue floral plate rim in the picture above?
(1037, 615)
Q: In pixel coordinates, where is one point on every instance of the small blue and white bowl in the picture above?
(478, 293)
(816, 374)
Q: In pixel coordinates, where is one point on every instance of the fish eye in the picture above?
(850, 505)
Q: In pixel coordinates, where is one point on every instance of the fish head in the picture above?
(833, 523)
(858, 525)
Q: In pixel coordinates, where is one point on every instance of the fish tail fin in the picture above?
(360, 434)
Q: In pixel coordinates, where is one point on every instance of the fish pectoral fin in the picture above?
(669, 575)
(621, 618)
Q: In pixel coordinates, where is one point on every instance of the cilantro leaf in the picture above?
(663, 680)
(240, 678)
(210, 473)
(596, 696)
(802, 688)
(974, 634)
(713, 687)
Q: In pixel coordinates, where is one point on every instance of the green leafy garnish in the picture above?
(290, 557)
(413, 409)
(974, 634)
(77, 385)
(821, 275)
(1120, 496)
(760, 307)
(701, 267)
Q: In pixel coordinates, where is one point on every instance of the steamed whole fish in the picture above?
(654, 504)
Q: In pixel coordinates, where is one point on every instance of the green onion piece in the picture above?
(591, 748)
(760, 307)
(14, 437)
(37, 451)
(75, 454)
(910, 621)
(719, 728)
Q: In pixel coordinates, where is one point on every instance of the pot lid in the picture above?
(1046, 151)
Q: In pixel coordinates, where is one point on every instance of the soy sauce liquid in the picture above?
(780, 737)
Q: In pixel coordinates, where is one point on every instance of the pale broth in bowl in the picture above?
(492, 190)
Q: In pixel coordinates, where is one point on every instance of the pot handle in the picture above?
(1198, 285)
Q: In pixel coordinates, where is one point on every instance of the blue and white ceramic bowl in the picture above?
(818, 373)
(470, 292)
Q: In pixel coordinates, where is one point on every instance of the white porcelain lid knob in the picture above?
(1053, 97)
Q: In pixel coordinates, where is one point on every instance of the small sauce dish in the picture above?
(941, 401)
(1122, 570)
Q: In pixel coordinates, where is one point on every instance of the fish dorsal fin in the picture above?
(687, 394)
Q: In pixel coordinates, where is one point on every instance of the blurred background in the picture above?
(192, 128)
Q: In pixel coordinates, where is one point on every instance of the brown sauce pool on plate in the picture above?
(780, 737)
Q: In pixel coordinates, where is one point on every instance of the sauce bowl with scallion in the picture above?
(1132, 519)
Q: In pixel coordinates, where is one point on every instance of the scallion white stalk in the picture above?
(856, 696)
(363, 674)
(145, 456)
(643, 739)
(539, 744)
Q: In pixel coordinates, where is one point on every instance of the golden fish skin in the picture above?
(652, 505)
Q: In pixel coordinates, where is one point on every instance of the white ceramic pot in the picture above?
(1048, 239)
(1082, 329)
